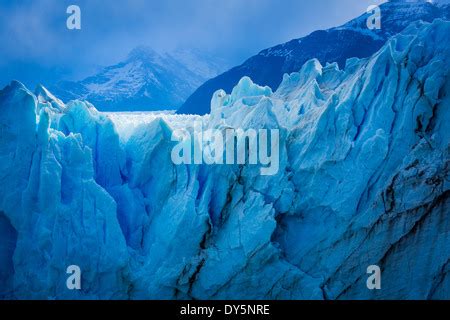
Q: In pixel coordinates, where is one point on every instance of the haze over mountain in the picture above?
(146, 80)
(352, 39)
(37, 48)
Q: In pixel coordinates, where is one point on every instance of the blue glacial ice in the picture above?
(363, 180)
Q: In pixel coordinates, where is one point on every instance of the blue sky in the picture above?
(36, 43)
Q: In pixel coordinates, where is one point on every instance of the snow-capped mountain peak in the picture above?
(145, 80)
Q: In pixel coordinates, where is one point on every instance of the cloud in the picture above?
(35, 30)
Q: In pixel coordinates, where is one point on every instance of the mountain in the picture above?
(362, 179)
(353, 39)
(146, 80)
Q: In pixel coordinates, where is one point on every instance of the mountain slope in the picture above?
(363, 180)
(146, 80)
(334, 45)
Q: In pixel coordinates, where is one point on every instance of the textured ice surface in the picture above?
(363, 180)
(127, 122)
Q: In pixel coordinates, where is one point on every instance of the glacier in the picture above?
(363, 180)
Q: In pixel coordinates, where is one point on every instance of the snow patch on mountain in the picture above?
(146, 80)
